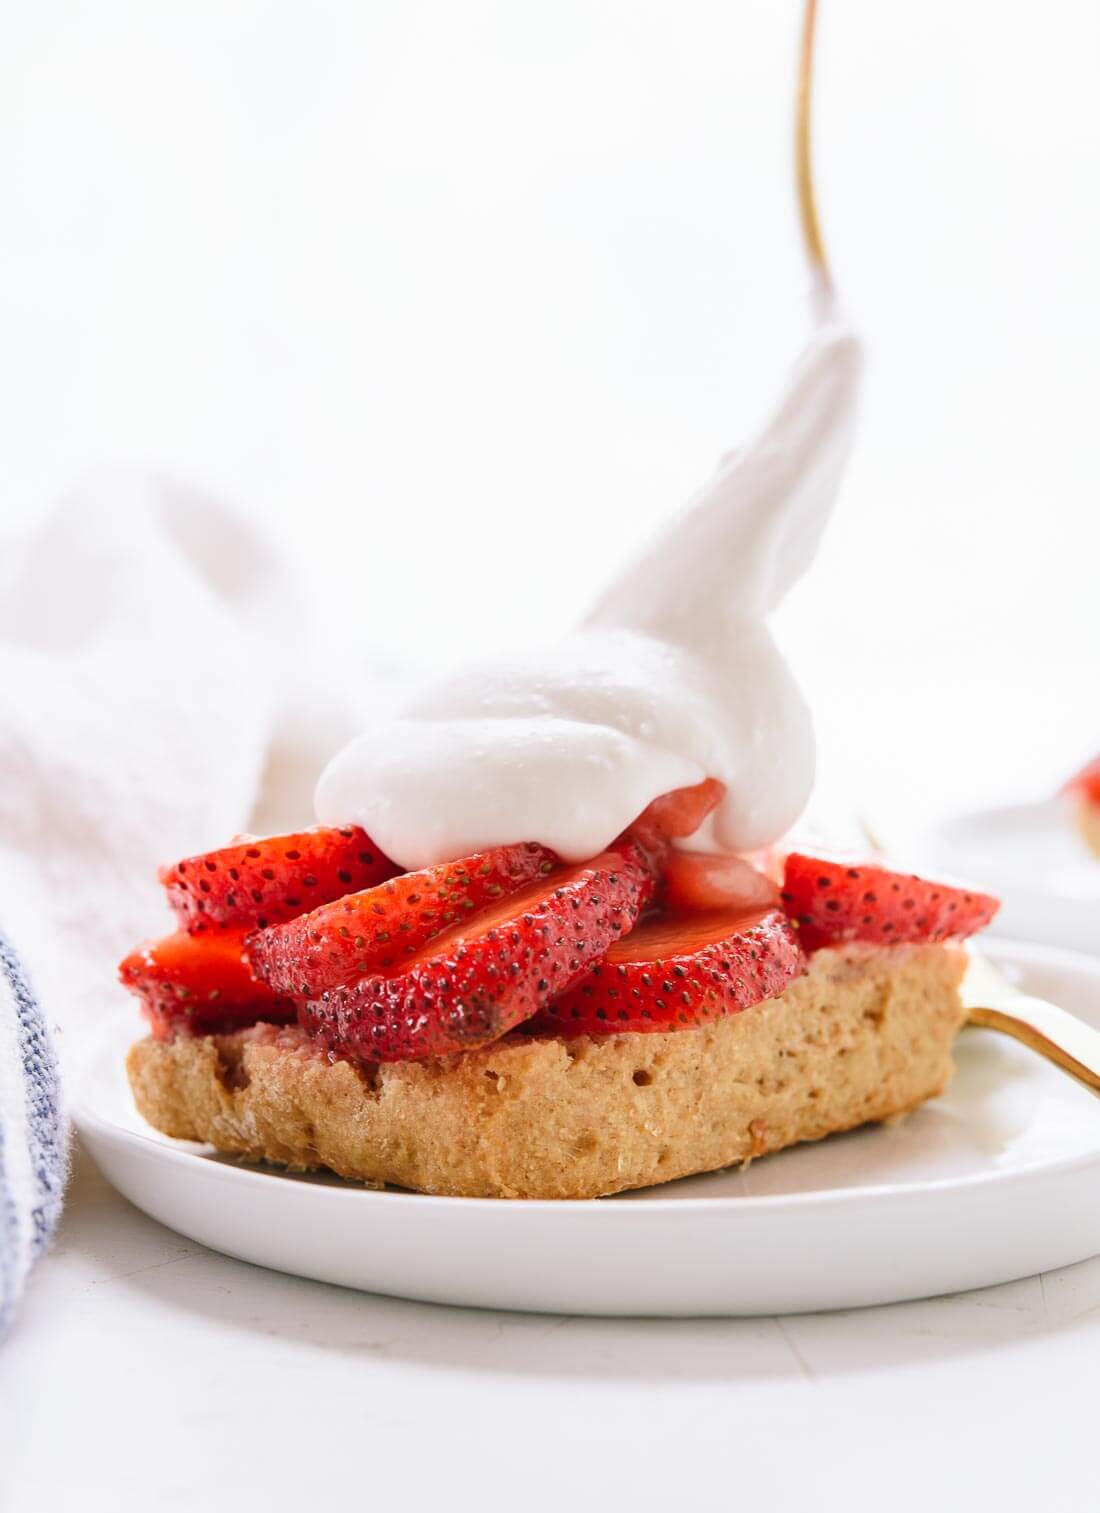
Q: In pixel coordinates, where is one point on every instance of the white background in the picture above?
(459, 298)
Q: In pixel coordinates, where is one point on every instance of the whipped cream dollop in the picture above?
(672, 677)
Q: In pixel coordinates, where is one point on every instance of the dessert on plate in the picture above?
(544, 942)
(510, 1025)
(1084, 790)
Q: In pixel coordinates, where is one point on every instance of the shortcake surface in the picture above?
(865, 1035)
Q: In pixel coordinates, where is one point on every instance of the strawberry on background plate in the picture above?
(478, 980)
(1086, 783)
(262, 880)
(677, 971)
(1084, 789)
(381, 928)
(200, 985)
(834, 901)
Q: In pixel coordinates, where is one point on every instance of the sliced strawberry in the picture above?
(260, 881)
(381, 928)
(200, 985)
(695, 881)
(1086, 783)
(832, 902)
(677, 971)
(478, 980)
(679, 813)
(376, 930)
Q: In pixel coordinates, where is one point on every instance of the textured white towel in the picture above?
(153, 661)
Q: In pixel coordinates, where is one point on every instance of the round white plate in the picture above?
(998, 1179)
(1032, 857)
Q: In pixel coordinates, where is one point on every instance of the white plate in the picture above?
(998, 1179)
(1031, 856)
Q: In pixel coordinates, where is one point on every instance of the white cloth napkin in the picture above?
(153, 675)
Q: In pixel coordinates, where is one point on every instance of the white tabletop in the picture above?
(146, 1372)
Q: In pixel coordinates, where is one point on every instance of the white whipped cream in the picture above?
(672, 677)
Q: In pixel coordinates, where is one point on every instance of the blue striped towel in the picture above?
(32, 1134)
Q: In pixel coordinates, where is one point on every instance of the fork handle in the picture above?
(1062, 1038)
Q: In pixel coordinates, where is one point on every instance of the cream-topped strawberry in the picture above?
(680, 813)
(200, 985)
(261, 880)
(833, 901)
(382, 928)
(454, 956)
(677, 971)
(480, 979)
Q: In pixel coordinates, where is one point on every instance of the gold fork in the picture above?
(993, 1003)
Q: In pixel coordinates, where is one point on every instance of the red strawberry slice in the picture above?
(200, 985)
(260, 881)
(833, 902)
(696, 881)
(1086, 783)
(380, 929)
(478, 980)
(679, 813)
(677, 971)
(671, 817)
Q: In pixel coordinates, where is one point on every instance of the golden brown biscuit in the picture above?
(866, 1034)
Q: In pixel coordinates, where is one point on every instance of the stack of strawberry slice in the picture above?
(200, 980)
(321, 928)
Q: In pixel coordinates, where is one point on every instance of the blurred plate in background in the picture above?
(1031, 856)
